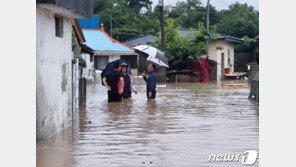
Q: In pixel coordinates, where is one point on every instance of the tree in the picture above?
(137, 5)
(239, 20)
(178, 48)
(191, 12)
(127, 23)
(248, 45)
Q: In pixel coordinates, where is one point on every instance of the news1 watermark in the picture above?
(247, 158)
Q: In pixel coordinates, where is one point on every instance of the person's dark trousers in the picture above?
(153, 94)
(113, 97)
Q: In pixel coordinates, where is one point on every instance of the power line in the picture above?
(117, 22)
(223, 2)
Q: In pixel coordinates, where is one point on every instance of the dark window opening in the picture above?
(59, 26)
(228, 57)
(257, 57)
(91, 58)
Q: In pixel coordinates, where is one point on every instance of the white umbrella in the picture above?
(155, 55)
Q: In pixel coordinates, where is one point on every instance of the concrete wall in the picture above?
(54, 89)
(183, 76)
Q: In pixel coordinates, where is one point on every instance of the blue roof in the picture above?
(99, 40)
(92, 23)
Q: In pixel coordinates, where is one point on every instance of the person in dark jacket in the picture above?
(151, 81)
(128, 82)
(114, 84)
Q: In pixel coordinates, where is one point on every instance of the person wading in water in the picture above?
(128, 82)
(114, 83)
(151, 81)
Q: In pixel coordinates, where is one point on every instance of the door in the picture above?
(222, 67)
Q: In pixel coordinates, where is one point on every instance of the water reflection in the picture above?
(177, 129)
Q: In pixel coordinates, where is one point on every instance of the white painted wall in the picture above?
(54, 89)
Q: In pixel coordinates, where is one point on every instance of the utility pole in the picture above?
(160, 4)
(111, 25)
(208, 24)
(208, 15)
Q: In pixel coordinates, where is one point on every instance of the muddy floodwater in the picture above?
(177, 130)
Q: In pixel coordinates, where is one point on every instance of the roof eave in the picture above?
(114, 53)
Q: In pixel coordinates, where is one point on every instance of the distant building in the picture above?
(221, 52)
(106, 49)
(142, 40)
(54, 103)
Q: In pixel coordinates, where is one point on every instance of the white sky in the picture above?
(219, 4)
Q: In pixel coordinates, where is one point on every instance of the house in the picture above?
(83, 54)
(221, 56)
(106, 49)
(220, 53)
(54, 100)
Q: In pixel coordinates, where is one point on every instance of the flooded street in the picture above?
(177, 130)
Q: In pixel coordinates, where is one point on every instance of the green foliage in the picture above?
(137, 5)
(133, 18)
(178, 48)
(190, 13)
(239, 20)
(248, 45)
(128, 22)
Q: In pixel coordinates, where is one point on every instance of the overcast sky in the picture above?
(219, 4)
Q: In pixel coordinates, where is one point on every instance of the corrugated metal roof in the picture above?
(99, 40)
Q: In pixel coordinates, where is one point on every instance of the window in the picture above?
(91, 58)
(228, 57)
(59, 26)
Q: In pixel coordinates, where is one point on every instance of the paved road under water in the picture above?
(176, 130)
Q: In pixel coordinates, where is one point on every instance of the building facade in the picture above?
(54, 63)
(106, 49)
(221, 52)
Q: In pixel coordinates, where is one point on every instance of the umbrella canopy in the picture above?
(109, 67)
(155, 55)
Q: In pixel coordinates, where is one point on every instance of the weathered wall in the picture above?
(54, 89)
(114, 57)
(89, 72)
(184, 76)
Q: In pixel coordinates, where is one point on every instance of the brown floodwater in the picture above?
(177, 130)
